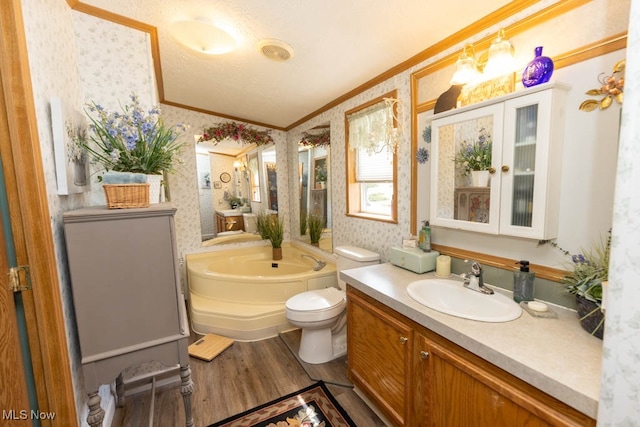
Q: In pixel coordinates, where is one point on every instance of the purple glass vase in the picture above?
(537, 71)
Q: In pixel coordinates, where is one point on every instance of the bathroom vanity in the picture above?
(128, 304)
(229, 220)
(420, 367)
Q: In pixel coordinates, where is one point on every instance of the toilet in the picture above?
(321, 314)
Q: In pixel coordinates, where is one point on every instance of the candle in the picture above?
(443, 266)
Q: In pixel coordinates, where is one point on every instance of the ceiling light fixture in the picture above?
(497, 61)
(203, 36)
(276, 50)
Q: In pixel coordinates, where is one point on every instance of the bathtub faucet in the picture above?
(319, 264)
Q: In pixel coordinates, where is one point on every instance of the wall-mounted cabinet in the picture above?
(524, 132)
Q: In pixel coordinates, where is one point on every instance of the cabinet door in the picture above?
(380, 348)
(456, 201)
(531, 153)
(525, 149)
(459, 389)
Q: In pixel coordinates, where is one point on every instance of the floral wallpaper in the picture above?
(620, 391)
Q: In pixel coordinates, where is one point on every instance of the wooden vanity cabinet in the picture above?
(379, 356)
(445, 385)
(229, 223)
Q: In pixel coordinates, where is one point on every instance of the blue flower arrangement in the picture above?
(132, 140)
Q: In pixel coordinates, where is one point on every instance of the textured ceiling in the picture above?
(339, 45)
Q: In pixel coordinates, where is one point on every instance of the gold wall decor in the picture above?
(487, 90)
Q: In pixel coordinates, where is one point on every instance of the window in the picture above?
(371, 159)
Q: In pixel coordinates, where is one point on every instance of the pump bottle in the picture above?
(424, 240)
(523, 283)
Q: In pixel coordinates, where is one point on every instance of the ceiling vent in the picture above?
(275, 49)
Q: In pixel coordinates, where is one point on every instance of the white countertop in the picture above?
(229, 212)
(554, 355)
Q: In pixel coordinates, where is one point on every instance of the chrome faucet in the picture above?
(473, 280)
(319, 263)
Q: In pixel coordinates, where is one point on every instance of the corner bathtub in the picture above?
(241, 293)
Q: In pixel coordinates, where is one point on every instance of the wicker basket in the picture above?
(122, 196)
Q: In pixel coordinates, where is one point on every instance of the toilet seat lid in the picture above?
(317, 300)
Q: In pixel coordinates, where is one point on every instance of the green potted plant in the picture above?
(321, 174)
(271, 227)
(588, 271)
(316, 225)
(132, 140)
(475, 158)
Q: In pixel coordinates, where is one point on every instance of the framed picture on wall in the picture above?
(205, 180)
(319, 172)
(217, 185)
(69, 129)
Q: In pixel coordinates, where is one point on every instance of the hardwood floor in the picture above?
(242, 377)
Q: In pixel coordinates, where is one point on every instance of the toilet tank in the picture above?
(353, 257)
(250, 222)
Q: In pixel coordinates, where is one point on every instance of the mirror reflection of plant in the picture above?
(303, 225)
(321, 172)
(475, 156)
(133, 140)
(77, 141)
(316, 225)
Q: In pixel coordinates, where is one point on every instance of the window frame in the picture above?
(353, 187)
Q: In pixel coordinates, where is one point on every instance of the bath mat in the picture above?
(209, 346)
(313, 405)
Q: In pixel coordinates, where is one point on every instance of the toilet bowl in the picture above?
(321, 314)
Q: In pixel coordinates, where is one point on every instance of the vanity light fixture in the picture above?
(497, 61)
(202, 36)
(500, 57)
(466, 70)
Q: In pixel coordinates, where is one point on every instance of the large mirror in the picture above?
(231, 183)
(314, 194)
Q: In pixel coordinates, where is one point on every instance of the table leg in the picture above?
(96, 413)
(186, 389)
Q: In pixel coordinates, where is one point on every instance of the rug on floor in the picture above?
(312, 406)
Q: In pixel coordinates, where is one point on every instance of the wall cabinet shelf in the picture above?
(415, 377)
(129, 307)
(525, 129)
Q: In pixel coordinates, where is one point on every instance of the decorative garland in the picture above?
(239, 132)
(321, 140)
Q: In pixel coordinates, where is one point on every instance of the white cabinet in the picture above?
(525, 131)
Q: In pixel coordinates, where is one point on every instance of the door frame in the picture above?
(30, 222)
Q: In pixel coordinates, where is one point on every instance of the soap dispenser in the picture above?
(523, 283)
(424, 240)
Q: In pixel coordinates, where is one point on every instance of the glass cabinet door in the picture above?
(458, 198)
(525, 155)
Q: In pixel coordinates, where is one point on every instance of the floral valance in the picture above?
(242, 133)
(320, 140)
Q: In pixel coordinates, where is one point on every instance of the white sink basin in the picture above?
(451, 297)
